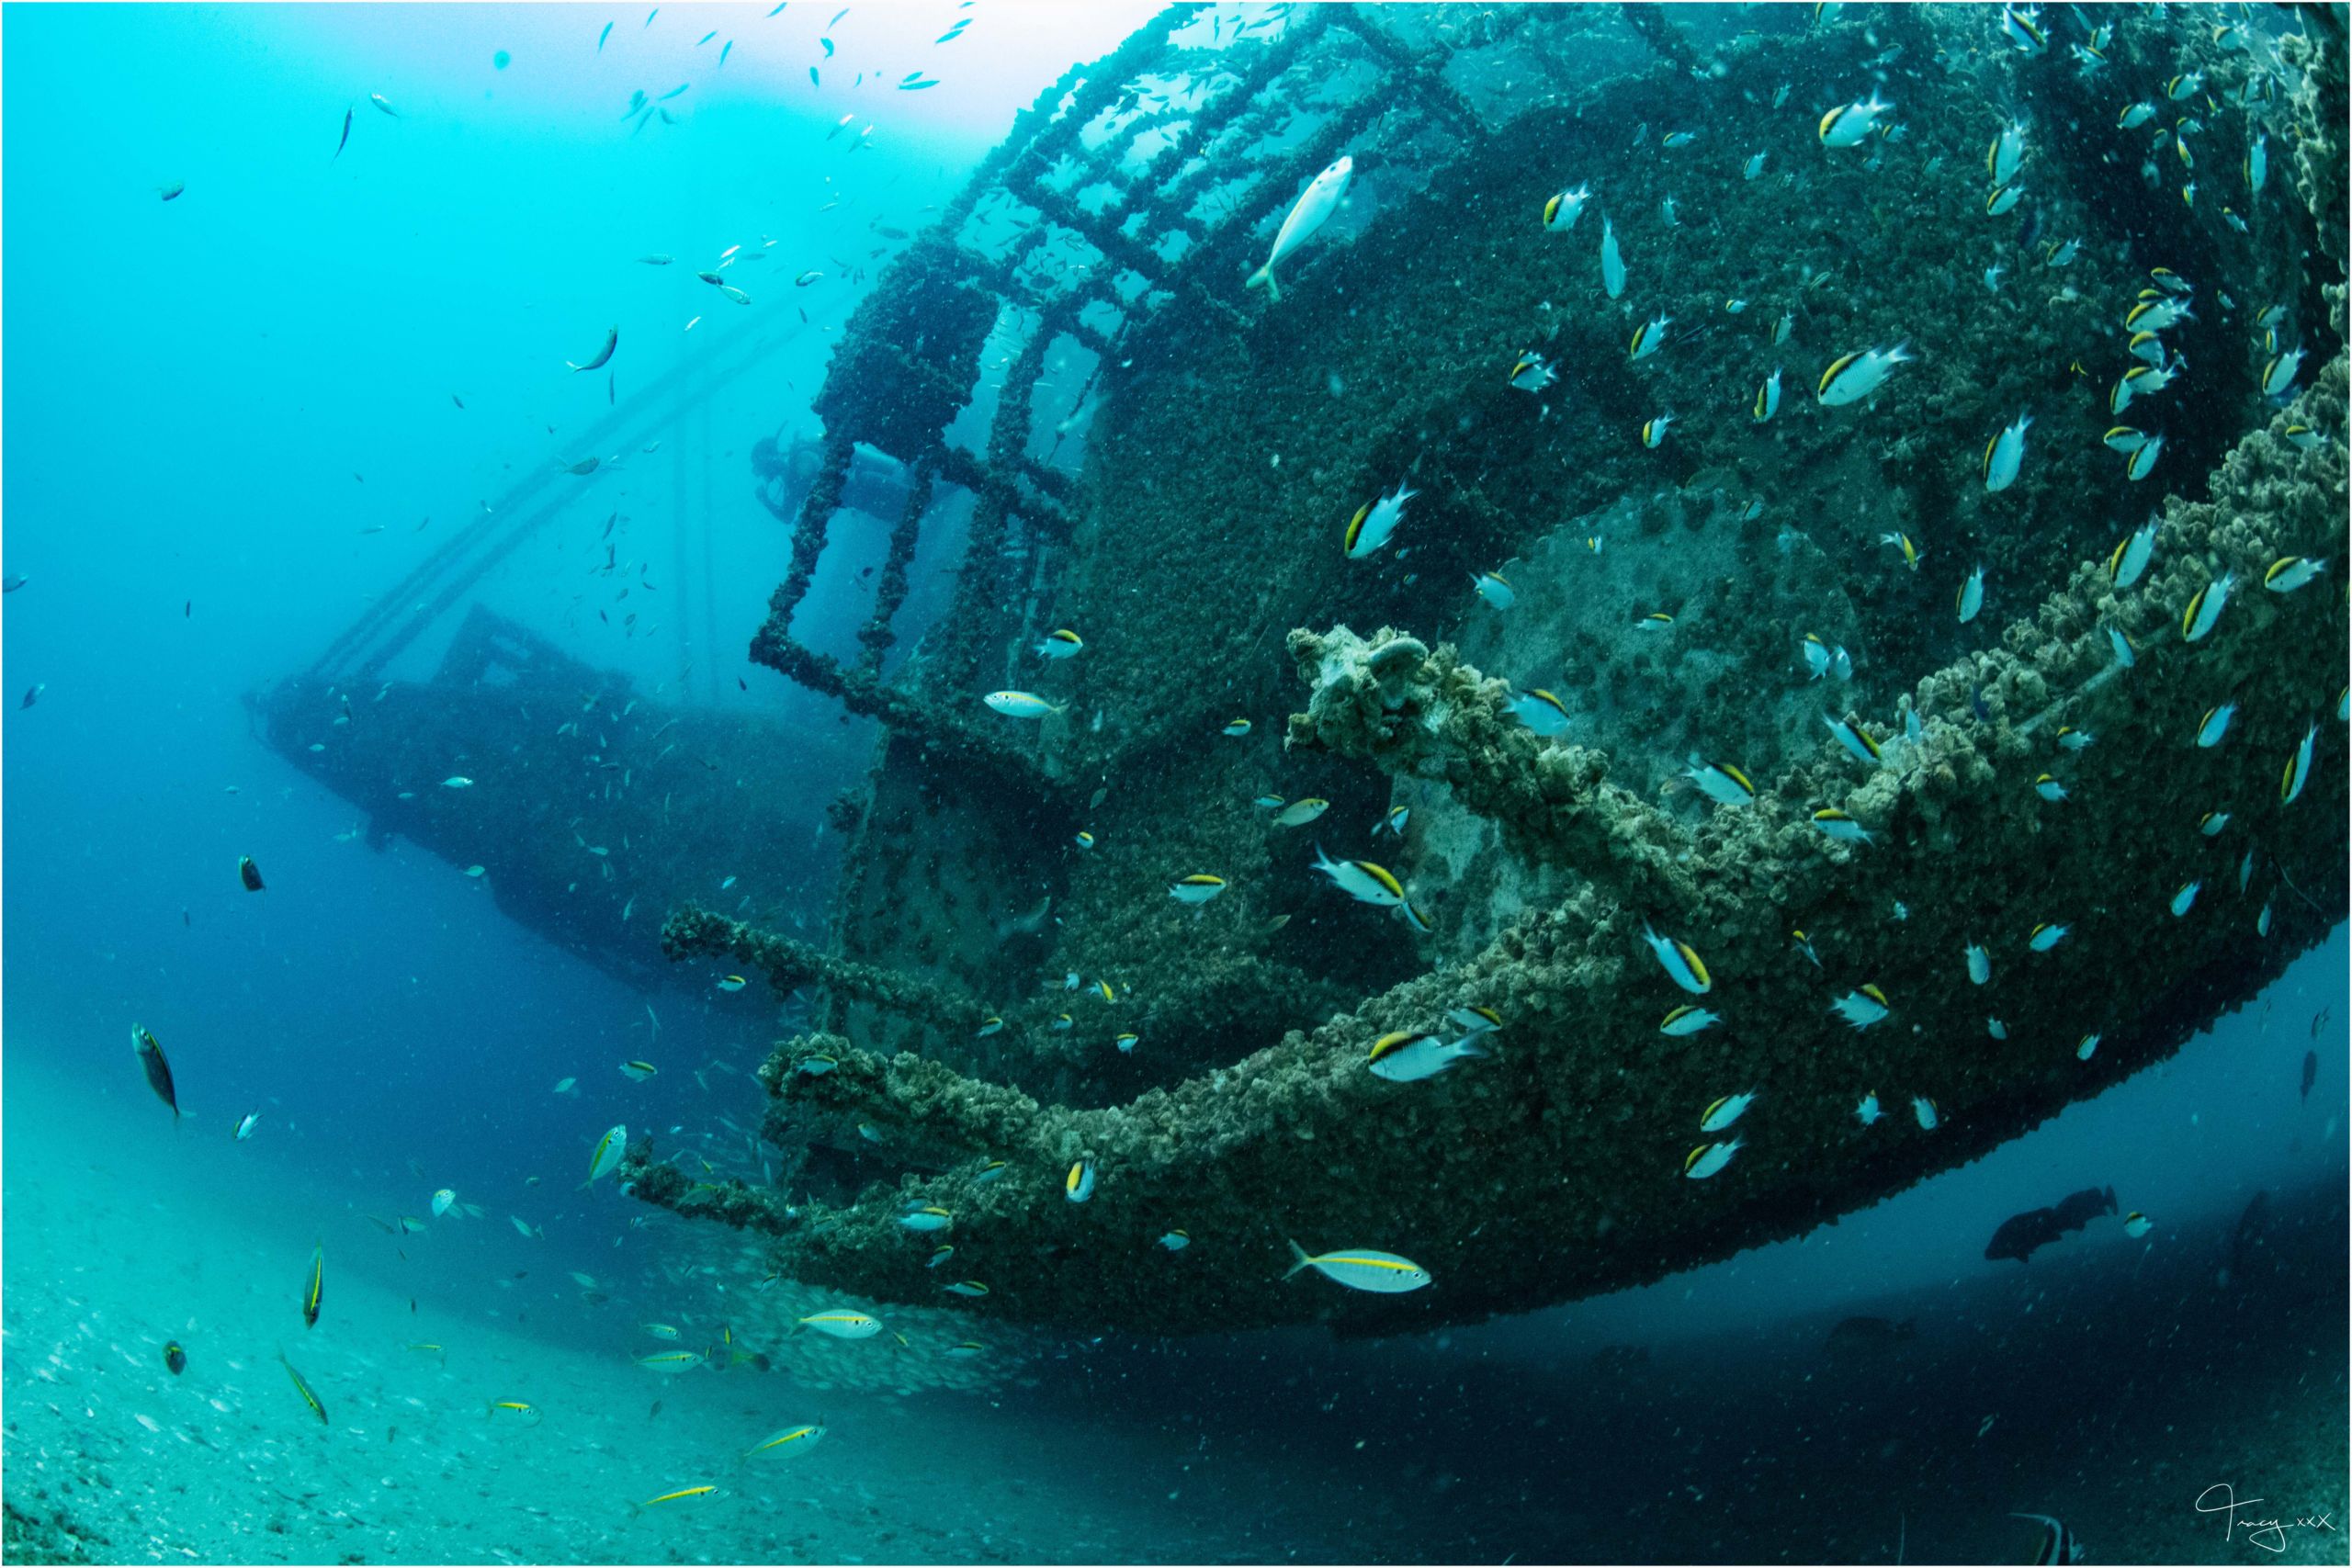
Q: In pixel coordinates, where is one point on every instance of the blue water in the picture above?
(214, 403)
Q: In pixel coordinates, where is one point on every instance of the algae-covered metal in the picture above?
(1006, 992)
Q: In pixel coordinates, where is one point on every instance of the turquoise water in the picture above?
(239, 416)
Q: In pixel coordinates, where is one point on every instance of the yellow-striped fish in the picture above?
(303, 1389)
(703, 1491)
(313, 1292)
(790, 1441)
(1360, 1268)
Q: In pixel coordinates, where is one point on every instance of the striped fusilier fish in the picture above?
(1360, 1268)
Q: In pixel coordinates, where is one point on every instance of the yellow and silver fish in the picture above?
(608, 1153)
(1020, 704)
(2005, 454)
(1854, 739)
(2205, 608)
(1861, 1009)
(1362, 880)
(1197, 888)
(1708, 1159)
(1680, 961)
(1848, 124)
(2298, 768)
(1299, 813)
(2290, 572)
(789, 1442)
(1648, 337)
(1971, 598)
(1078, 1186)
(1406, 1056)
(1726, 1111)
(1560, 211)
(841, 1324)
(1854, 376)
(2143, 460)
(1767, 396)
(1362, 1269)
(1612, 266)
(1654, 431)
(1722, 783)
(1540, 711)
(1687, 1020)
(2132, 553)
(1061, 644)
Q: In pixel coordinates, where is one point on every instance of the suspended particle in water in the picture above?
(502, 60)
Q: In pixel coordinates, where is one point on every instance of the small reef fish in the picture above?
(1063, 643)
(1709, 1159)
(1980, 964)
(457, 781)
(2204, 608)
(1861, 1009)
(1840, 826)
(1854, 739)
(1767, 396)
(2132, 553)
(1077, 1185)
(1721, 783)
(2005, 454)
(1362, 880)
(1197, 888)
(2141, 462)
(1648, 337)
(789, 1442)
(1407, 1057)
(670, 1361)
(1540, 711)
(1923, 1111)
(1362, 1269)
(1680, 961)
(2137, 1224)
(1237, 728)
(1726, 1111)
(1560, 211)
(444, 1200)
(1394, 821)
(2046, 936)
(1848, 124)
(612, 340)
(303, 1389)
(1020, 704)
(512, 1406)
(1176, 1241)
(842, 1325)
(1375, 523)
(246, 1124)
(971, 1288)
(2086, 1047)
(730, 983)
(158, 1070)
(2216, 725)
(2212, 824)
(2049, 788)
(1868, 1112)
(608, 1152)
(2298, 768)
(1688, 1020)
(705, 1490)
(314, 1288)
(2290, 572)
(1495, 589)
(1310, 212)
(1299, 813)
(175, 1357)
(1612, 260)
(1531, 373)
(1654, 431)
(1971, 598)
(1854, 376)
(248, 873)
(638, 1072)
